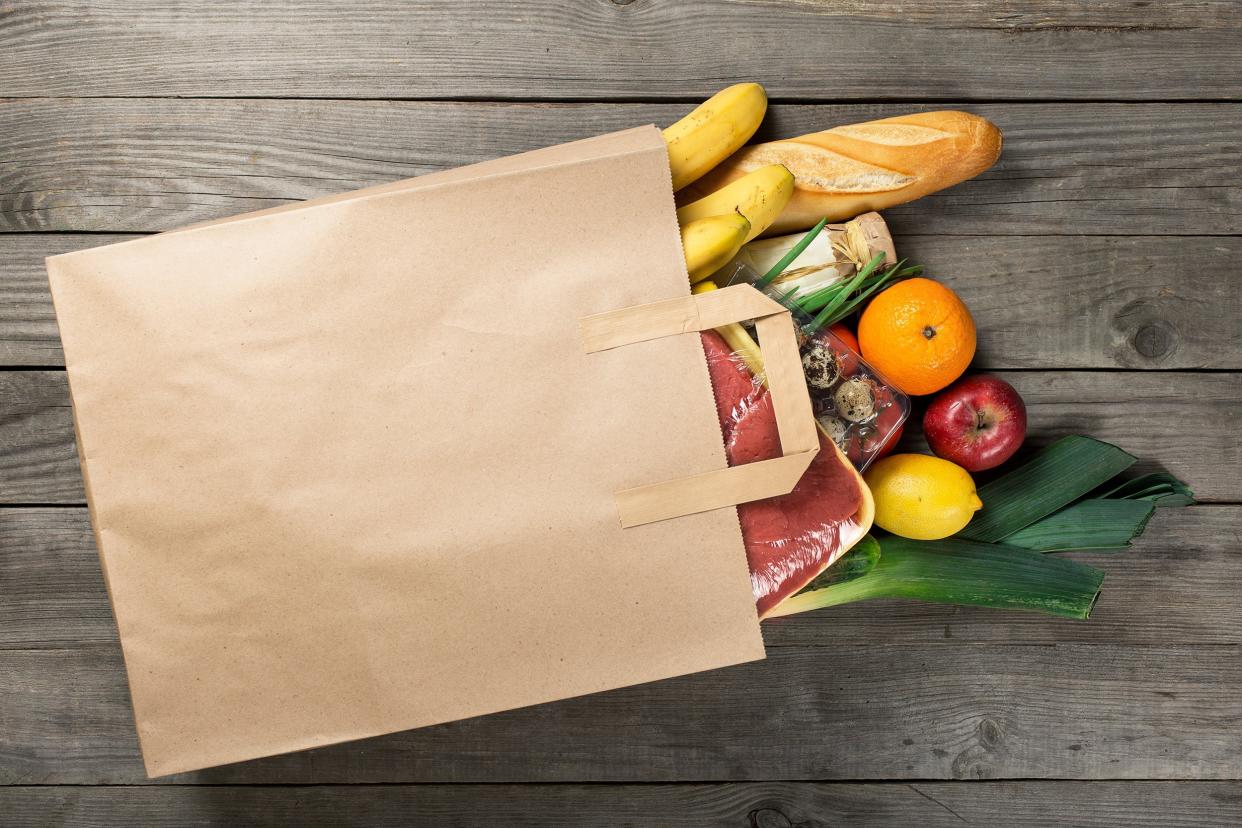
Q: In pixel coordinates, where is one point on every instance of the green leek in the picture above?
(962, 572)
(1160, 488)
(827, 314)
(1052, 479)
(1033, 510)
(853, 564)
(1089, 524)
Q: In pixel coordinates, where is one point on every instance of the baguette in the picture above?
(848, 170)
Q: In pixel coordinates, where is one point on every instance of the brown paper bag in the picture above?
(351, 467)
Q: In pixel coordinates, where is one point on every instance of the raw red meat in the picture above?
(789, 539)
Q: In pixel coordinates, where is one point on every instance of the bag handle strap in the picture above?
(795, 421)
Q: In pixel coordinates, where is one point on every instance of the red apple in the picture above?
(977, 422)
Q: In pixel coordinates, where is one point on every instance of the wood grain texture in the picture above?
(143, 165)
(546, 49)
(1176, 585)
(1106, 238)
(757, 805)
(38, 454)
(28, 332)
(1186, 423)
(956, 711)
(1039, 301)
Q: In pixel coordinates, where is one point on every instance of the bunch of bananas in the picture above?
(715, 227)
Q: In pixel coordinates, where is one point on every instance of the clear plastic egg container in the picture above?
(854, 405)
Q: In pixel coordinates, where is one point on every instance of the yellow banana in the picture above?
(714, 131)
(709, 243)
(736, 337)
(760, 196)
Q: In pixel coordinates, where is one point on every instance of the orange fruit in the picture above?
(841, 332)
(918, 334)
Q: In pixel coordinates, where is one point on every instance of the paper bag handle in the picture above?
(795, 421)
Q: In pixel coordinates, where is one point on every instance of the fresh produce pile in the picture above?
(797, 219)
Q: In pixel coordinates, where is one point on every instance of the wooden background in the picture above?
(1099, 257)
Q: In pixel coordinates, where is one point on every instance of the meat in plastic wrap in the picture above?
(789, 539)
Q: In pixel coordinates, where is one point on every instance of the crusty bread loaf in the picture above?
(848, 170)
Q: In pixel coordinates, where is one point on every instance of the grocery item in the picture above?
(940, 540)
(919, 334)
(1161, 488)
(790, 539)
(710, 242)
(759, 195)
(953, 571)
(978, 422)
(1109, 522)
(848, 170)
(842, 332)
(1012, 574)
(886, 448)
(1057, 476)
(1095, 524)
(713, 131)
(855, 399)
(737, 338)
(855, 406)
(834, 301)
(828, 257)
(921, 497)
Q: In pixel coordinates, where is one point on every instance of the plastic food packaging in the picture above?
(791, 539)
(855, 406)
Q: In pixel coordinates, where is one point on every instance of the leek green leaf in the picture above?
(1161, 488)
(1088, 524)
(1052, 479)
(829, 313)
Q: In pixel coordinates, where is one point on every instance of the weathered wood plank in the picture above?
(1039, 301)
(1187, 423)
(620, 48)
(50, 578)
(1093, 302)
(141, 165)
(757, 804)
(28, 333)
(1176, 586)
(38, 454)
(1095, 711)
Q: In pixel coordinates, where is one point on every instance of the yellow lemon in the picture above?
(921, 497)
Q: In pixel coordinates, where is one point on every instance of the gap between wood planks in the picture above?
(1018, 370)
(1211, 504)
(638, 783)
(689, 100)
(1155, 802)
